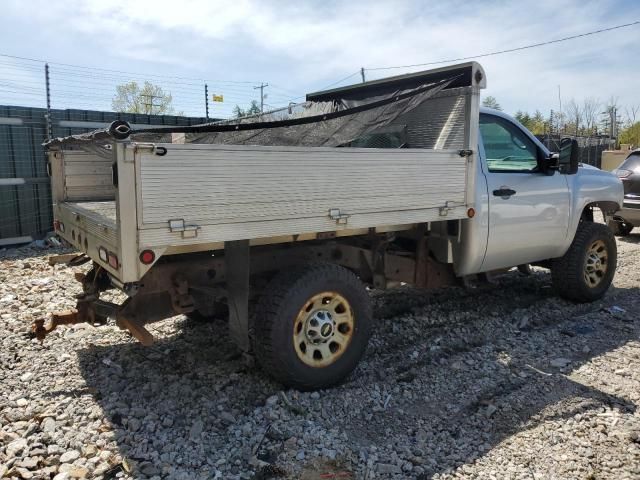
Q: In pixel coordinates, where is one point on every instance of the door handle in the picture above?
(504, 192)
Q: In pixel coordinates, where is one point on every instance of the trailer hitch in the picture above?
(88, 310)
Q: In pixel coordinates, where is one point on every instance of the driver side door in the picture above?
(528, 210)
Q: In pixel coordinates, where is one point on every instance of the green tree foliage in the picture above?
(534, 123)
(149, 99)
(253, 109)
(630, 135)
(491, 102)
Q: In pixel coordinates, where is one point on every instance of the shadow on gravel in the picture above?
(449, 375)
(633, 238)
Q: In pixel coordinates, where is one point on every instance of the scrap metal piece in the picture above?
(69, 259)
(88, 310)
(42, 327)
(138, 331)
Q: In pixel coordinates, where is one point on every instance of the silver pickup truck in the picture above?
(282, 223)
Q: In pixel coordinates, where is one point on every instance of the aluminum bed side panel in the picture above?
(243, 192)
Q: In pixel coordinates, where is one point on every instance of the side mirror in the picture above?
(568, 157)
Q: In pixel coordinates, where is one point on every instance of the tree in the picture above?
(534, 123)
(631, 135)
(574, 114)
(524, 118)
(491, 102)
(590, 111)
(632, 112)
(253, 109)
(149, 100)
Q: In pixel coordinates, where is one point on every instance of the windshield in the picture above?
(632, 162)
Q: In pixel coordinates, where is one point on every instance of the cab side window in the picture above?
(506, 147)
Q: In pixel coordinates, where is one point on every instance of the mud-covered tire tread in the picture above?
(567, 272)
(283, 287)
(620, 229)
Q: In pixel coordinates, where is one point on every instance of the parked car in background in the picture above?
(628, 217)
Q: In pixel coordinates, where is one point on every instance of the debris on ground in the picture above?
(506, 381)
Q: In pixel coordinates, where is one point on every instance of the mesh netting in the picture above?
(340, 122)
(344, 120)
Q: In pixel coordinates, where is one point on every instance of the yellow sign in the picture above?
(218, 98)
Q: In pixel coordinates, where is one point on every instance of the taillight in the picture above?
(623, 173)
(113, 260)
(147, 257)
(103, 254)
(58, 225)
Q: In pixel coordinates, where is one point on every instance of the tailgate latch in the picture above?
(188, 231)
(444, 211)
(340, 218)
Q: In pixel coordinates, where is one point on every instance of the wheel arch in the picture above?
(585, 214)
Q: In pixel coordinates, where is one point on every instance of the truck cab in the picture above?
(528, 209)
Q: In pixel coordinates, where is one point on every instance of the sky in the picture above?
(302, 46)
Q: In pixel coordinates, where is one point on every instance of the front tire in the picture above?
(312, 326)
(586, 271)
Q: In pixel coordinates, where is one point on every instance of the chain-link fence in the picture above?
(42, 99)
(25, 194)
(591, 148)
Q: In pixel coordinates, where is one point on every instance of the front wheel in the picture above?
(586, 271)
(312, 325)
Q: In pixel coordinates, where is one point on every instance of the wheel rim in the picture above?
(323, 329)
(596, 265)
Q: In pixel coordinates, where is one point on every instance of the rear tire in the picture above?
(312, 326)
(620, 229)
(586, 271)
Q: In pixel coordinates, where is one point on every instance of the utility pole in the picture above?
(206, 101)
(48, 114)
(560, 114)
(362, 74)
(261, 87)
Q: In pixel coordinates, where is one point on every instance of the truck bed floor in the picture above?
(103, 212)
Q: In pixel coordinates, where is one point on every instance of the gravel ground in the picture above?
(504, 381)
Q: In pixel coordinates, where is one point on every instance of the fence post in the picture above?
(48, 114)
(206, 100)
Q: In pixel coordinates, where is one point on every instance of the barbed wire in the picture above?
(23, 82)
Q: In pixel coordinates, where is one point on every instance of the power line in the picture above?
(509, 50)
(15, 57)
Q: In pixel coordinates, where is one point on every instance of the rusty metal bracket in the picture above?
(88, 310)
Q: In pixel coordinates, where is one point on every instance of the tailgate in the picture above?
(90, 226)
(85, 209)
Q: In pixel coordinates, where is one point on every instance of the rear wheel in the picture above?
(586, 271)
(620, 228)
(312, 325)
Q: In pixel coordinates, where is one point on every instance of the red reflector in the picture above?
(471, 213)
(113, 260)
(147, 256)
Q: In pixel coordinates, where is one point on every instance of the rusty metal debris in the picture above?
(88, 310)
(70, 260)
